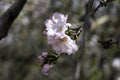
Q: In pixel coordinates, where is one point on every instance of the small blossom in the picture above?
(45, 69)
(116, 63)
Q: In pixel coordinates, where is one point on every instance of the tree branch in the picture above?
(9, 16)
(79, 73)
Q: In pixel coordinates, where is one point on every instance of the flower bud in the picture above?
(45, 68)
(40, 58)
(44, 54)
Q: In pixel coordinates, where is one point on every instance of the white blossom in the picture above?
(62, 43)
(55, 31)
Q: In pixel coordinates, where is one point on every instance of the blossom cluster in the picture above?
(57, 38)
(55, 31)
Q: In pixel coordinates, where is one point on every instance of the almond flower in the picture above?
(55, 31)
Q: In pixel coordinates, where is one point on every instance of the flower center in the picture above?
(63, 40)
(59, 28)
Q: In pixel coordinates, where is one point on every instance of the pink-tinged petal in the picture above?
(44, 54)
(49, 23)
(45, 69)
(59, 17)
(40, 58)
(56, 17)
(50, 32)
(70, 46)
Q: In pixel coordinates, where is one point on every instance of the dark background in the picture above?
(25, 41)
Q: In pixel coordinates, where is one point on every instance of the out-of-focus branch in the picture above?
(79, 73)
(108, 43)
(90, 11)
(101, 4)
(9, 16)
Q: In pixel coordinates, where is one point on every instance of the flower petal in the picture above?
(59, 17)
(49, 23)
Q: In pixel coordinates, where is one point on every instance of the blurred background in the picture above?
(25, 41)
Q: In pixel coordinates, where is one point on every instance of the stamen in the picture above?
(63, 40)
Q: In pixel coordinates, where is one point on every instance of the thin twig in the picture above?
(101, 4)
